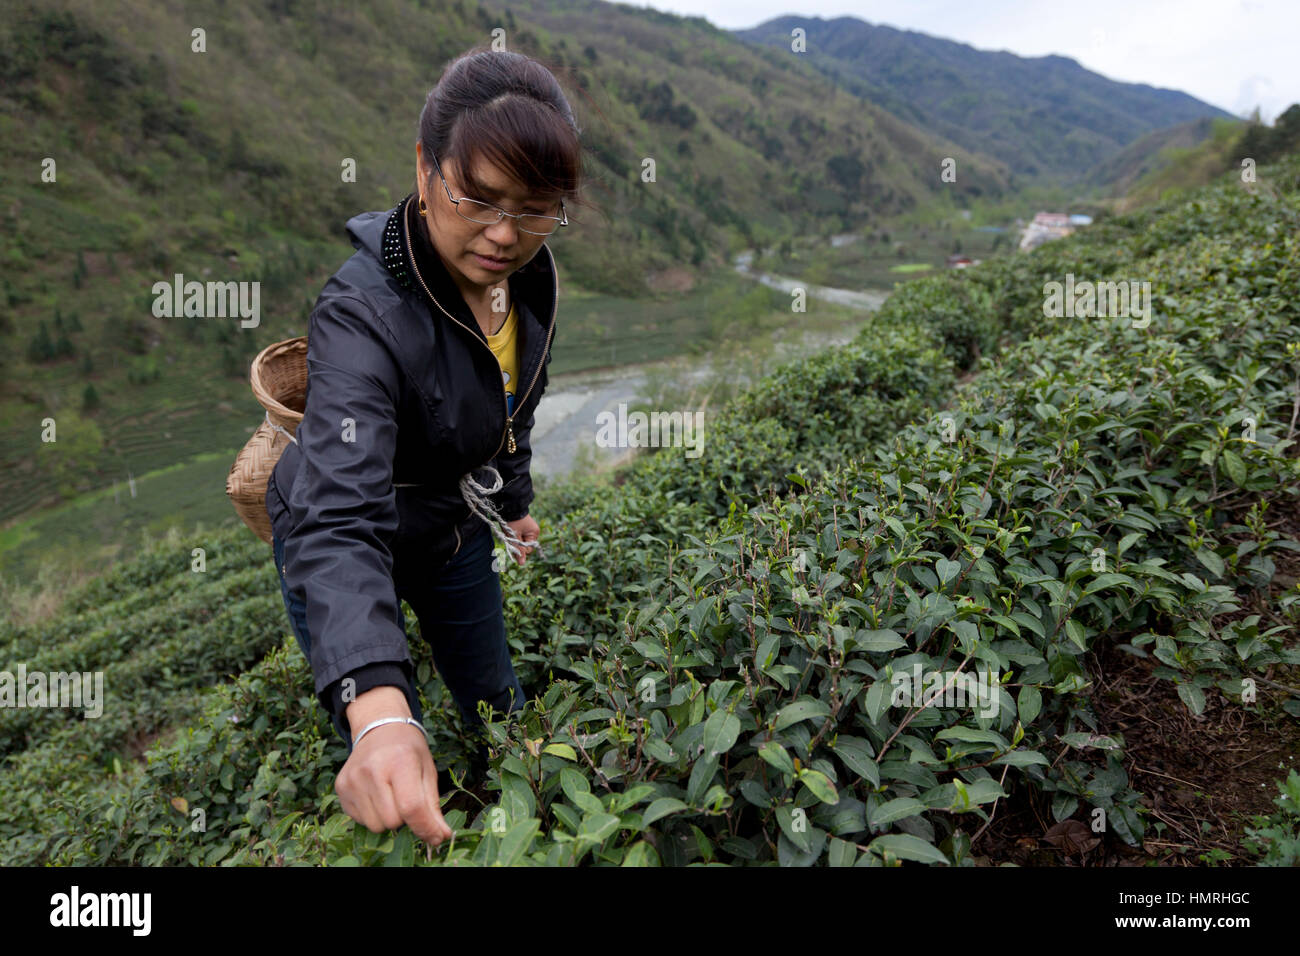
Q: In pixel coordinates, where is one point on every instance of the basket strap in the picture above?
(279, 428)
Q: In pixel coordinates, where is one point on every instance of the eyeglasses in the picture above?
(486, 214)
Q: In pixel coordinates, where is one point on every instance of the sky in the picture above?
(1234, 54)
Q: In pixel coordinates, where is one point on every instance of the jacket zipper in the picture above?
(555, 294)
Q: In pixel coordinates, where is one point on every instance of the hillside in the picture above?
(1119, 173)
(1097, 513)
(1044, 117)
(1182, 159)
(226, 163)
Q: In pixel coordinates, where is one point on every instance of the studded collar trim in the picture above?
(533, 283)
(394, 248)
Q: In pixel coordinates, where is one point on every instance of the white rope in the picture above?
(279, 428)
(475, 496)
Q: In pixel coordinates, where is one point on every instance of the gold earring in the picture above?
(423, 208)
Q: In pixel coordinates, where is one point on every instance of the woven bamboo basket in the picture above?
(279, 380)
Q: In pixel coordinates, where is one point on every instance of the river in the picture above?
(567, 414)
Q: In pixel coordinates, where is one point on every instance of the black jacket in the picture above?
(413, 372)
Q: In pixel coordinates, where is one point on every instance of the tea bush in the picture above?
(716, 645)
(1277, 836)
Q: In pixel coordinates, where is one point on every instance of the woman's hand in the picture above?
(525, 529)
(390, 778)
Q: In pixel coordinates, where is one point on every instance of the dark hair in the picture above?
(508, 108)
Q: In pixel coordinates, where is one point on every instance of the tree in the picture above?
(40, 348)
(1266, 144)
(819, 273)
(232, 366)
(72, 456)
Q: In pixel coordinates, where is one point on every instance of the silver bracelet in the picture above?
(386, 720)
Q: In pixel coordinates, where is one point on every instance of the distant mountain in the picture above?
(1044, 117)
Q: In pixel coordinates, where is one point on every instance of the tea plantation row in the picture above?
(714, 641)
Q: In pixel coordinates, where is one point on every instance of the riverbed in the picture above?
(567, 416)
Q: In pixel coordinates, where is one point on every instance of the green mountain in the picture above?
(1190, 154)
(224, 162)
(1044, 117)
(1150, 152)
(1195, 154)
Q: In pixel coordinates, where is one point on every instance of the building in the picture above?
(1045, 227)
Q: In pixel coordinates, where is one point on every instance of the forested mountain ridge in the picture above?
(1044, 117)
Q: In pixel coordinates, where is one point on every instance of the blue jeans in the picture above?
(460, 610)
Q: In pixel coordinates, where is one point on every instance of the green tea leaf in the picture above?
(947, 570)
(1234, 467)
(775, 754)
(1022, 758)
(895, 810)
(857, 757)
(1193, 697)
(1029, 702)
(973, 735)
(878, 641)
(515, 842)
(720, 732)
(561, 750)
(661, 808)
(841, 853)
(1211, 561)
(820, 785)
(803, 709)
(907, 847)
(597, 827)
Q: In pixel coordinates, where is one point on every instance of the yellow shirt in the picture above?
(505, 348)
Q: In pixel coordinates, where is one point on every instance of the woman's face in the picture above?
(462, 243)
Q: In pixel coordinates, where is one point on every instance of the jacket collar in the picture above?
(405, 235)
